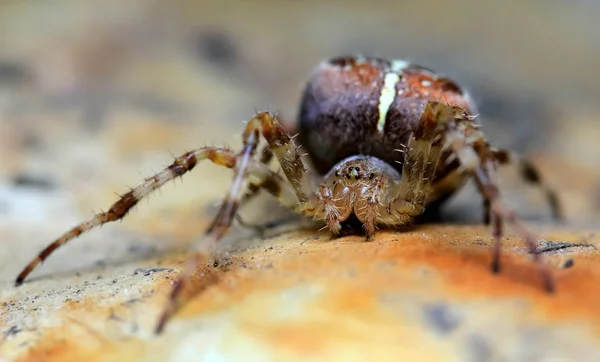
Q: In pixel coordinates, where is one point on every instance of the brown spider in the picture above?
(386, 140)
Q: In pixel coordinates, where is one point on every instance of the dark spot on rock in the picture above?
(131, 301)
(33, 182)
(101, 263)
(13, 331)
(440, 317)
(149, 271)
(545, 246)
(217, 48)
(569, 263)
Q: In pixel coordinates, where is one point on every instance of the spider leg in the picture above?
(531, 174)
(476, 157)
(266, 155)
(286, 152)
(119, 209)
(252, 188)
(486, 211)
(495, 218)
(499, 210)
(406, 200)
(284, 149)
(255, 186)
(497, 234)
(268, 183)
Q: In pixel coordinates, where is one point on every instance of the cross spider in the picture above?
(386, 139)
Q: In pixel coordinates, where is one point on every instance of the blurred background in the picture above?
(96, 95)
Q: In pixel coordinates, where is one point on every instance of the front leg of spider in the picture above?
(477, 158)
(405, 200)
(285, 151)
(181, 165)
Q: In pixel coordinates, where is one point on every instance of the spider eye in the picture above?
(371, 176)
(337, 173)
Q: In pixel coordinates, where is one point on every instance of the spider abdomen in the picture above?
(368, 106)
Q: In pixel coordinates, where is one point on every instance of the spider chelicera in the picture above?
(385, 139)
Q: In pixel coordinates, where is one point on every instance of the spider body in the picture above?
(369, 106)
(387, 139)
(354, 106)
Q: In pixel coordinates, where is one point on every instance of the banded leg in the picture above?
(530, 174)
(495, 218)
(476, 157)
(269, 184)
(499, 210)
(285, 151)
(266, 155)
(119, 209)
(219, 227)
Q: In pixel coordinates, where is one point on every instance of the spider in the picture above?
(385, 139)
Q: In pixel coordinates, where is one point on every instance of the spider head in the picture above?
(361, 170)
(353, 172)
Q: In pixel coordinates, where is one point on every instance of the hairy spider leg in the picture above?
(178, 168)
(530, 174)
(119, 209)
(406, 200)
(268, 183)
(476, 157)
(494, 217)
(181, 165)
(252, 187)
(285, 151)
(266, 155)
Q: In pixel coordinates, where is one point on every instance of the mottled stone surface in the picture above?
(96, 99)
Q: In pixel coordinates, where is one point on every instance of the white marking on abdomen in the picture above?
(386, 98)
(388, 91)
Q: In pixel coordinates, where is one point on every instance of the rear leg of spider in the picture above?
(529, 172)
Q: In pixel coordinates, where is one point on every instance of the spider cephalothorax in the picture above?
(386, 140)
